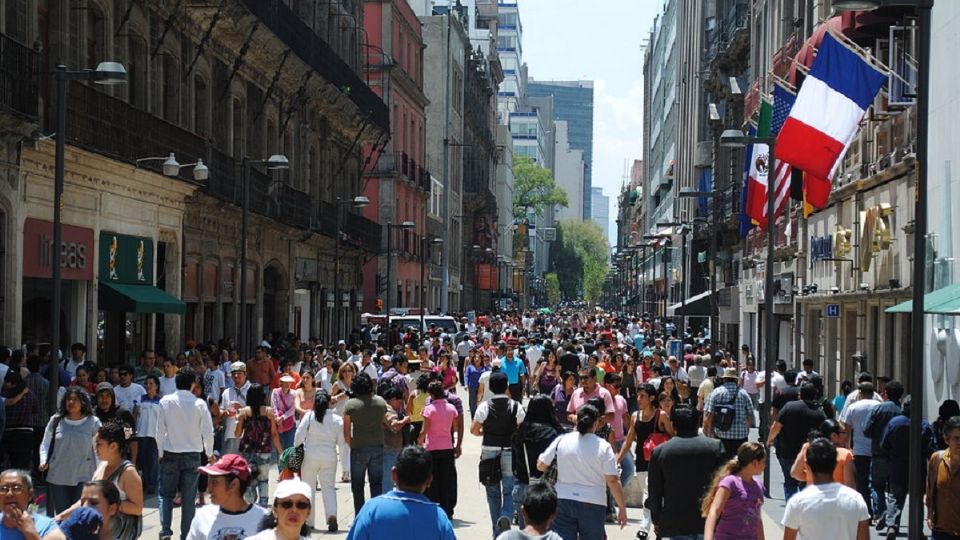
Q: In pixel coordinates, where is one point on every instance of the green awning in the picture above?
(138, 299)
(943, 301)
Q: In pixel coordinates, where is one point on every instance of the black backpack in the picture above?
(725, 413)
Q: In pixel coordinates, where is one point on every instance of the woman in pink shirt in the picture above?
(437, 437)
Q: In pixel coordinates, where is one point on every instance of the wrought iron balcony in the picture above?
(403, 166)
(300, 38)
(19, 78)
(101, 123)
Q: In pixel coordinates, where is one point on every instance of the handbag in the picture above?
(655, 439)
(490, 472)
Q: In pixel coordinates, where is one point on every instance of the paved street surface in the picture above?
(472, 519)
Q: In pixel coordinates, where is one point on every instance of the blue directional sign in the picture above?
(833, 310)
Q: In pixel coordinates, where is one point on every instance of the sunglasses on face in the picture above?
(301, 505)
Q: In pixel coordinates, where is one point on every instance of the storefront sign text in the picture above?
(76, 251)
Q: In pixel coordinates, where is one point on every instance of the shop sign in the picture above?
(330, 299)
(833, 310)
(76, 251)
(821, 248)
(345, 299)
(126, 259)
(359, 304)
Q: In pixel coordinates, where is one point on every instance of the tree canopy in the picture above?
(580, 257)
(534, 187)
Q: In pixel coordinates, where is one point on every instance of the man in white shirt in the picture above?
(184, 443)
(825, 509)
(365, 365)
(129, 393)
(232, 400)
(168, 383)
(855, 418)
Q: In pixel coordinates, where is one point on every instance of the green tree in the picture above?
(535, 188)
(553, 288)
(589, 245)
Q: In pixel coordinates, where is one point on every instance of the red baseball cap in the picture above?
(233, 464)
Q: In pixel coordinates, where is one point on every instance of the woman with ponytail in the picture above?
(320, 431)
(586, 465)
(733, 502)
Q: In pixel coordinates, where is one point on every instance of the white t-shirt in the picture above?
(583, 463)
(749, 381)
(214, 383)
(826, 511)
(779, 383)
(209, 523)
(129, 397)
(855, 416)
(484, 381)
(168, 385)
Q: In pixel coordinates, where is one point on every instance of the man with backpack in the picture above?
(496, 420)
(728, 413)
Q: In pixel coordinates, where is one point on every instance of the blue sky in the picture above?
(597, 40)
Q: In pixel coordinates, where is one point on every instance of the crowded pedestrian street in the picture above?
(479, 269)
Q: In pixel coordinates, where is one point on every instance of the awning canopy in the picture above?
(695, 306)
(943, 301)
(138, 299)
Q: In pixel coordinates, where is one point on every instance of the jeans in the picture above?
(896, 495)
(147, 462)
(443, 489)
(585, 519)
(178, 471)
(472, 400)
(861, 468)
(879, 476)
(286, 438)
(500, 498)
(790, 485)
(389, 460)
(627, 467)
(730, 446)
(62, 497)
(260, 462)
(322, 467)
(365, 460)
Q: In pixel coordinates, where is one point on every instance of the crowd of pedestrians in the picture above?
(570, 410)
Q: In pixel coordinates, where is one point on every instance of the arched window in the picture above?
(168, 84)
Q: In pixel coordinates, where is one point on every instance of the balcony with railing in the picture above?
(401, 165)
(108, 126)
(19, 79)
(317, 53)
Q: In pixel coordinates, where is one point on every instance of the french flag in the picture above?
(829, 107)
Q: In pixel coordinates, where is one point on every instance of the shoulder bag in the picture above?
(655, 438)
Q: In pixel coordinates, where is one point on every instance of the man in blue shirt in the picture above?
(16, 520)
(404, 513)
(514, 369)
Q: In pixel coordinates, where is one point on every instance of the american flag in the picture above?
(782, 103)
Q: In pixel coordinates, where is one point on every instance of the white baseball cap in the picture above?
(289, 488)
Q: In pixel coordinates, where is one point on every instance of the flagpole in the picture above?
(917, 461)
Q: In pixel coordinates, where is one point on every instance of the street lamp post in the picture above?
(426, 253)
(275, 162)
(107, 73)
(406, 225)
(915, 488)
(356, 202)
(734, 138)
